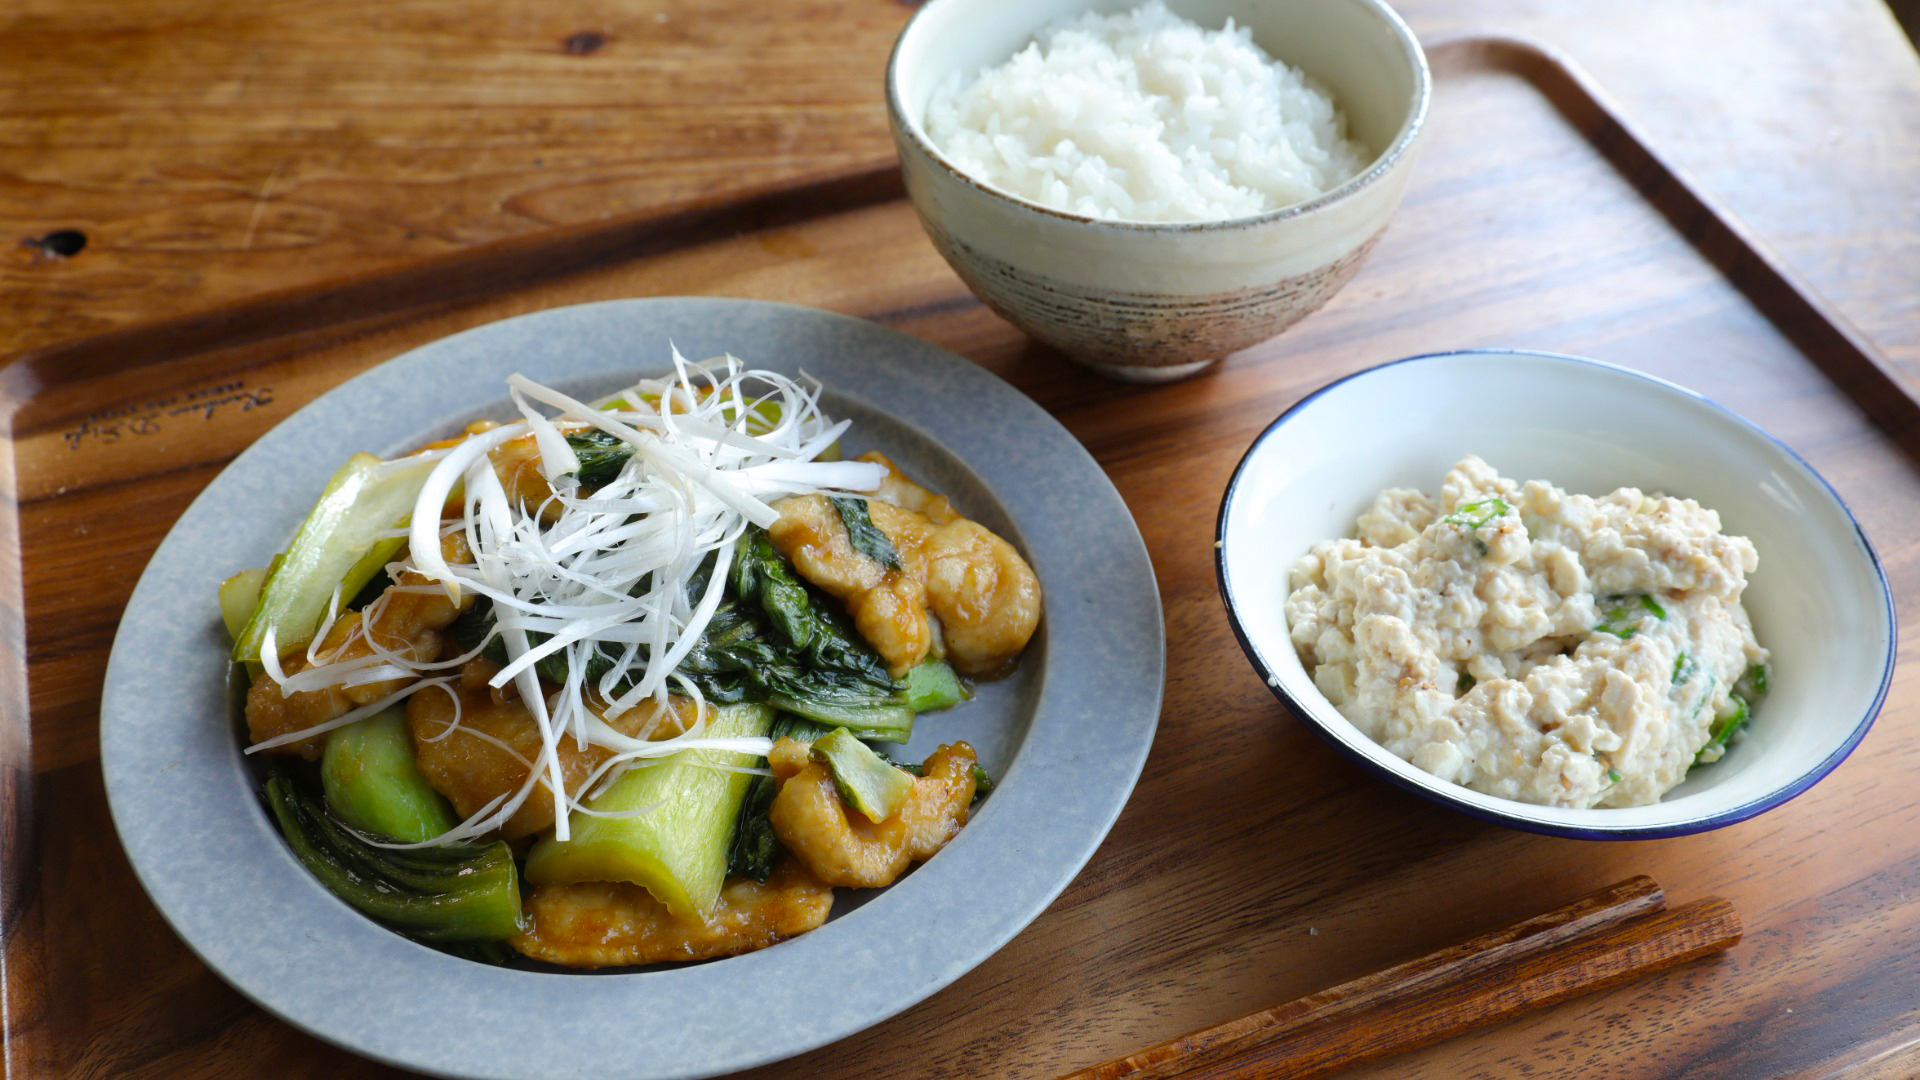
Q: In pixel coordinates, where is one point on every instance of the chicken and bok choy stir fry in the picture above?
(601, 686)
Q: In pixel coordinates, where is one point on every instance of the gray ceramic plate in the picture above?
(1066, 735)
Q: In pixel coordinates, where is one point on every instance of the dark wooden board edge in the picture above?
(1813, 325)
(18, 845)
(1841, 352)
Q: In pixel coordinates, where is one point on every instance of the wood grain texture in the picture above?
(1385, 1022)
(1253, 864)
(1645, 946)
(1496, 955)
(215, 149)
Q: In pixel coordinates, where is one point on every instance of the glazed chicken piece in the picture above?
(983, 593)
(907, 495)
(471, 767)
(842, 847)
(984, 596)
(889, 607)
(608, 923)
(401, 621)
(517, 463)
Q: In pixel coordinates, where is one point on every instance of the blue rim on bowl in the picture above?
(1308, 704)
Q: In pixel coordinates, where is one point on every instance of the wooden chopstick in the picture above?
(1605, 938)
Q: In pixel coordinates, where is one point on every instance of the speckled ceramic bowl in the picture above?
(1819, 599)
(1151, 302)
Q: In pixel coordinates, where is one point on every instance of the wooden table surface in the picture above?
(214, 149)
(211, 151)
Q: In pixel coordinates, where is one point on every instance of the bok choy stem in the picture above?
(445, 894)
(343, 543)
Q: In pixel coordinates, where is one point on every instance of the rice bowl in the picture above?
(1152, 301)
(1146, 116)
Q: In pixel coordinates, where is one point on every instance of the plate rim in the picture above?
(131, 795)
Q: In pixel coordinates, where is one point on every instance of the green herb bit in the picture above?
(1705, 696)
(863, 534)
(1476, 514)
(773, 639)
(1683, 668)
(1613, 778)
(1464, 683)
(1753, 684)
(883, 722)
(982, 783)
(932, 685)
(797, 728)
(754, 847)
(602, 455)
(1622, 620)
(867, 782)
(1724, 729)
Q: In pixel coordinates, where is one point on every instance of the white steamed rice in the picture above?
(1145, 116)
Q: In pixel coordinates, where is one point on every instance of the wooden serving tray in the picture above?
(1253, 864)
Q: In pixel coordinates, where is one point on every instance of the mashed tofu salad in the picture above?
(1547, 647)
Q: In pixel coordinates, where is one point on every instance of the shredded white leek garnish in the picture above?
(605, 572)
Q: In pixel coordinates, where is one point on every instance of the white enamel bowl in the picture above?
(1819, 599)
(1149, 302)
